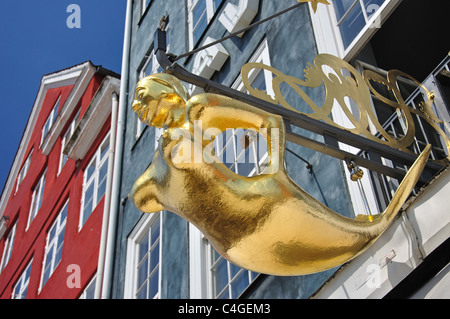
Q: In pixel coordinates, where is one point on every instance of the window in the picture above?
(344, 27)
(95, 177)
(143, 261)
(353, 16)
(7, 251)
(24, 170)
(53, 248)
(36, 200)
(21, 288)
(227, 280)
(63, 157)
(50, 120)
(201, 13)
(89, 291)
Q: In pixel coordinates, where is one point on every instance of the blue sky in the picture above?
(35, 40)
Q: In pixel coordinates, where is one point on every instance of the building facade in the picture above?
(53, 201)
(90, 228)
(163, 256)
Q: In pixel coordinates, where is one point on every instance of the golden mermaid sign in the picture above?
(265, 223)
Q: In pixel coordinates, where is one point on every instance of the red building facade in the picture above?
(52, 204)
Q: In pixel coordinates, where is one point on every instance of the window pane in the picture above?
(47, 269)
(142, 271)
(260, 82)
(154, 285)
(149, 68)
(90, 171)
(87, 210)
(21, 288)
(58, 256)
(40, 192)
(350, 14)
(199, 19)
(90, 290)
(104, 149)
(239, 284)
(234, 270)
(63, 214)
(200, 28)
(54, 115)
(45, 129)
(353, 23)
(155, 232)
(142, 294)
(225, 295)
(221, 275)
(61, 236)
(23, 295)
(154, 258)
(143, 248)
(342, 6)
(198, 11)
(52, 234)
(88, 198)
(102, 181)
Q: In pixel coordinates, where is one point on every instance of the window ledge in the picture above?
(209, 61)
(236, 17)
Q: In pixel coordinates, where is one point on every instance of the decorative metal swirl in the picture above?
(343, 82)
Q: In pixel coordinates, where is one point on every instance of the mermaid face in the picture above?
(160, 100)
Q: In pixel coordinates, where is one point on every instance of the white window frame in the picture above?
(7, 250)
(328, 36)
(37, 198)
(140, 231)
(22, 284)
(209, 15)
(95, 179)
(51, 119)
(202, 283)
(24, 170)
(54, 243)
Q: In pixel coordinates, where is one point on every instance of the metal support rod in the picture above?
(173, 59)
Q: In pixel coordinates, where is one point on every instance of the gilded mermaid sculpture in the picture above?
(265, 223)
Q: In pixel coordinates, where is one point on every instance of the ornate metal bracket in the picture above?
(332, 135)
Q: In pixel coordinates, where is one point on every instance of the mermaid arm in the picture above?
(223, 113)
